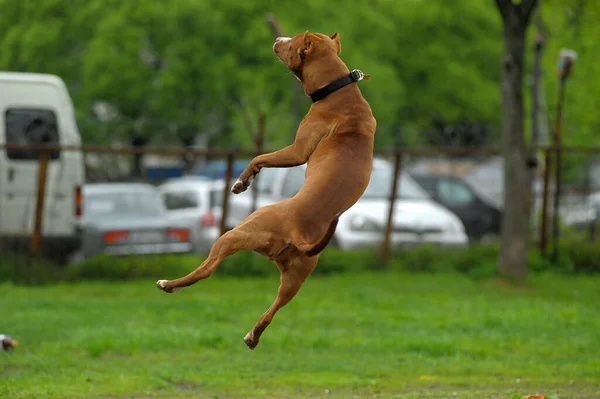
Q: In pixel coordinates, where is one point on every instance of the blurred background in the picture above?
(167, 92)
(464, 270)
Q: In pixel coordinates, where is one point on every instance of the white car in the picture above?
(594, 201)
(196, 203)
(417, 218)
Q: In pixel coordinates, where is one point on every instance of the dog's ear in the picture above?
(307, 46)
(336, 39)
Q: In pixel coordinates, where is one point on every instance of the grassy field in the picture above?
(371, 335)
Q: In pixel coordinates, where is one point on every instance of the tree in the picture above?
(515, 18)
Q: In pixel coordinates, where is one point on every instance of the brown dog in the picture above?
(336, 139)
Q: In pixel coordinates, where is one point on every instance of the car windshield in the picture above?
(123, 203)
(380, 186)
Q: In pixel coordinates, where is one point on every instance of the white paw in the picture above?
(162, 285)
(249, 341)
(237, 185)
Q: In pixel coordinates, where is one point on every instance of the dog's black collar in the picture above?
(354, 76)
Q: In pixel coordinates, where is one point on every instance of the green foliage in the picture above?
(478, 261)
(177, 69)
(105, 267)
(28, 269)
(173, 70)
(242, 264)
(583, 256)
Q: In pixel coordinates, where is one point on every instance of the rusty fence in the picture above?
(567, 197)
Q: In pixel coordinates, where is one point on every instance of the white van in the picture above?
(35, 109)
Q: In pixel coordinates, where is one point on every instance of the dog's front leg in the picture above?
(292, 155)
(286, 157)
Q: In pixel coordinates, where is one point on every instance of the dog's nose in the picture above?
(280, 40)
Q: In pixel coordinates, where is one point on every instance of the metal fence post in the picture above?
(385, 253)
(36, 237)
(565, 65)
(557, 172)
(544, 216)
(228, 174)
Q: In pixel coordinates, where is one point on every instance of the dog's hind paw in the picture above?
(162, 285)
(249, 341)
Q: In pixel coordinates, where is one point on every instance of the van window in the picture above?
(30, 126)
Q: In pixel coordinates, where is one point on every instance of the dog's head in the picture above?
(298, 51)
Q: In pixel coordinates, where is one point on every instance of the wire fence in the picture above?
(437, 195)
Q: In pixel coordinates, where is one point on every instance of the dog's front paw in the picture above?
(239, 187)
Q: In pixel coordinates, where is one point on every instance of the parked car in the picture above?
(197, 204)
(482, 220)
(37, 109)
(417, 218)
(128, 218)
(594, 201)
(216, 169)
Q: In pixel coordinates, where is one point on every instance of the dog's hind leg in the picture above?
(294, 271)
(228, 244)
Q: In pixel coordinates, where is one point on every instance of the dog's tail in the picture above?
(314, 249)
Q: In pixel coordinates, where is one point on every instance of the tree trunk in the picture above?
(513, 257)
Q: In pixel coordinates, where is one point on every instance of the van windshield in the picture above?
(26, 126)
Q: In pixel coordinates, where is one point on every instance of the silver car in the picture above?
(197, 204)
(128, 218)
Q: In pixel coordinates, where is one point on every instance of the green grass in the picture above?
(372, 335)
